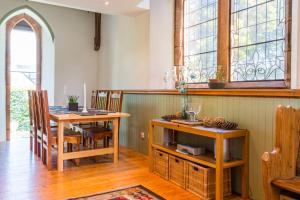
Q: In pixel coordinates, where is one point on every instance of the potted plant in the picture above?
(73, 103)
(219, 81)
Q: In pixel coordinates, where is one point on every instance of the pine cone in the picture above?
(218, 121)
(208, 122)
(219, 124)
(229, 125)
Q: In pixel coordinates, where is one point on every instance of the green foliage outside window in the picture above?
(19, 109)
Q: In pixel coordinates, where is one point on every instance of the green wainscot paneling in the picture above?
(257, 114)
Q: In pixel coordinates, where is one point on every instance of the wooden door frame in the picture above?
(11, 23)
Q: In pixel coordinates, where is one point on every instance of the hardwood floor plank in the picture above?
(23, 176)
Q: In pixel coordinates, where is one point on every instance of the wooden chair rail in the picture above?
(293, 93)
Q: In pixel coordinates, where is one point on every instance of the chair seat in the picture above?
(69, 136)
(99, 129)
(99, 133)
(291, 185)
(88, 126)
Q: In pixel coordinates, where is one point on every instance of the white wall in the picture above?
(137, 51)
(161, 41)
(48, 64)
(124, 52)
(75, 59)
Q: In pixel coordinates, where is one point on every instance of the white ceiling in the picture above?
(115, 7)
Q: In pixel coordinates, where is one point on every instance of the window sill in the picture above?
(246, 85)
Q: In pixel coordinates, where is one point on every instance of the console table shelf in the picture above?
(207, 159)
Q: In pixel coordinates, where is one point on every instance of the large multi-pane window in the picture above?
(252, 42)
(200, 45)
(257, 40)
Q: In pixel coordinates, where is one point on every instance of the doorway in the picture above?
(23, 71)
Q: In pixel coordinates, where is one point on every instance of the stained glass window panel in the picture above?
(200, 39)
(257, 40)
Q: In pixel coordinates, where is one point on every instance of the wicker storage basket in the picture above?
(161, 164)
(177, 171)
(202, 181)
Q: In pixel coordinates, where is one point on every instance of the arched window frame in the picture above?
(10, 25)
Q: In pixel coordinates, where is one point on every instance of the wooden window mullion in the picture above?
(223, 50)
(288, 43)
(179, 35)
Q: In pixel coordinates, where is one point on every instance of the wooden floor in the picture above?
(23, 176)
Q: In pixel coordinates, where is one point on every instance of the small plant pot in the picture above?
(213, 80)
(73, 106)
(216, 85)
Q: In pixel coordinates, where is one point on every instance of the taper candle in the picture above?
(84, 98)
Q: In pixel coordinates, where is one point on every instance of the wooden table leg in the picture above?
(245, 168)
(60, 147)
(219, 166)
(116, 140)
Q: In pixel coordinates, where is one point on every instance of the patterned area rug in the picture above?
(133, 193)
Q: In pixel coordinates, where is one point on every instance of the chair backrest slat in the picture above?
(30, 106)
(45, 113)
(34, 110)
(37, 110)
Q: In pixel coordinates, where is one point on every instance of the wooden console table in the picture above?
(208, 159)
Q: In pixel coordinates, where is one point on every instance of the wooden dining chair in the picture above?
(49, 135)
(281, 167)
(37, 122)
(99, 101)
(105, 132)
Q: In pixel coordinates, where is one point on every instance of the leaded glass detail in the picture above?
(257, 40)
(200, 40)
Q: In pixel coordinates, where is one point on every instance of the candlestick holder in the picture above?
(84, 110)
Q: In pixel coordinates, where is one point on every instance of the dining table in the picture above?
(66, 118)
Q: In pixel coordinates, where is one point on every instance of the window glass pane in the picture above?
(200, 39)
(23, 59)
(257, 40)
